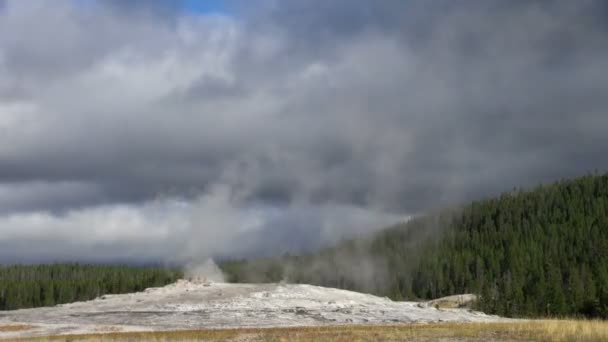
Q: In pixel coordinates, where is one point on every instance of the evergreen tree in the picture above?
(27, 286)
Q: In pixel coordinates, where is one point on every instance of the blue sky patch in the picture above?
(204, 6)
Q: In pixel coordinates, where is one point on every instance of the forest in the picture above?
(28, 286)
(536, 253)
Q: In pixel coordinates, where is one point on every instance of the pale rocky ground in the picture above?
(198, 305)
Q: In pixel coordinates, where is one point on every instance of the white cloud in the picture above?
(319, 123)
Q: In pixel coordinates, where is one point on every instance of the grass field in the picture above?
(535, 330)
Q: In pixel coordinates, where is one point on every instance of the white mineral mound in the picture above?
(196, 305)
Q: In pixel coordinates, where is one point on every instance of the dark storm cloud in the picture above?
(264, 121)
(498, 93)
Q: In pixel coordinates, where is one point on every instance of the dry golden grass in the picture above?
(534, 330)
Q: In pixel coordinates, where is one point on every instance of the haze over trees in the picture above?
(542, 252)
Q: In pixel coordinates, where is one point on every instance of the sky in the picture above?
(205, 6)
(177, 130)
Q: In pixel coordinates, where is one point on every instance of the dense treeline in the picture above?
(527, 253)
(27, 286)
(543, 252)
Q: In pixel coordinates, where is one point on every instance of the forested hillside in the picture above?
(542, 252)
(27, 286)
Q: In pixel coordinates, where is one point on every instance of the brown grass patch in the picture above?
(15, 327)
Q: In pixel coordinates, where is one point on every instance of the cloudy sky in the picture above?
(175, 130)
